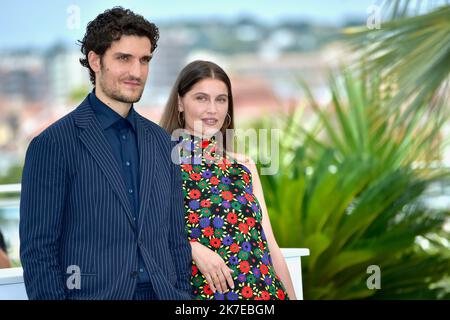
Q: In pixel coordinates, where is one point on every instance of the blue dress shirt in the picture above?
(121, 135)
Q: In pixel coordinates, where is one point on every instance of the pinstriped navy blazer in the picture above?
(74, 211)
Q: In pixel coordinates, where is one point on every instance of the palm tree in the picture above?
(349, 190)
(413, 49)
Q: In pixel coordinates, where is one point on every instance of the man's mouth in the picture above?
(133, 83)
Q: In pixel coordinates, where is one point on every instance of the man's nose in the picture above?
(136, 69)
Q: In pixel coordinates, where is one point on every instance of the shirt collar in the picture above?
(107, 116)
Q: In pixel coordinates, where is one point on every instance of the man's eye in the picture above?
(124, 58)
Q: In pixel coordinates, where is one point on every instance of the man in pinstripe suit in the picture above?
(101, 213)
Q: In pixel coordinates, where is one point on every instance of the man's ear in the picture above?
(94, 61)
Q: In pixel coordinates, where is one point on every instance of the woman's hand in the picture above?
(212, 266)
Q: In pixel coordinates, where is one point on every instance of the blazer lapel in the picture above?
(98, 146)
(146, 167)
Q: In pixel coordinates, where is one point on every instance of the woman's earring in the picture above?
(229, 120)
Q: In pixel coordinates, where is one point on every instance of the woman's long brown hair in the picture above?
(188, 77)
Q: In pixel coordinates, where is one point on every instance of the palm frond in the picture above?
(413, 50)
(350, 193)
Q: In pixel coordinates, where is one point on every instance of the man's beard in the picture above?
(116, 94)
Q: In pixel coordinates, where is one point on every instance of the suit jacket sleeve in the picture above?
(180, 247)
(41, 211)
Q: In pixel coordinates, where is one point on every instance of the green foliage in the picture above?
(12, 176)
(348, 189)
(413, 50)
(78, 94)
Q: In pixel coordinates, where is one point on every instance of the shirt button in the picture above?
(141, 270)
(128, 163)
(134, 274)
(130, 190)
(124, 137)
(134, 219)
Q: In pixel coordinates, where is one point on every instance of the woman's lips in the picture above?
(210, 121)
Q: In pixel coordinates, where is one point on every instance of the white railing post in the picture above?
(10, 188)
(293, 258)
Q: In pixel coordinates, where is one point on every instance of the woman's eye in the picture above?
(222, 100)
(201, 98)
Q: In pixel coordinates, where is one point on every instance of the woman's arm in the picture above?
(278, 260)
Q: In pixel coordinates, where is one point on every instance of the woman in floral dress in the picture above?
(235, 255)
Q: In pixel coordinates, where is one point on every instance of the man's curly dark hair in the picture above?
(108, 27)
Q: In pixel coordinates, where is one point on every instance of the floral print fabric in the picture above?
(223, 214)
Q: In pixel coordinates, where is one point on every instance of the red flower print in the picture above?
(195, 176)
(258, 298)
(207, 290)
(227, 195)
(280, 294)
(194, 194)
(265, 295)
(244, 266)
(232, 218)
(194, 270)
(193, 218)
(186, 167)
(234, 248)
(214, 242)
(246, 178)
(251, 222)
(249, 197)
(214, 180)
(247, 292)
(243, 227)
(205, 203)
(264, 269)
(208, 231)
(205, 143)
(261, 245)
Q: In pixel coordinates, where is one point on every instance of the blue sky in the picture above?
(42, 23)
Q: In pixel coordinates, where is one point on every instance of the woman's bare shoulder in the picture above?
(244, 160)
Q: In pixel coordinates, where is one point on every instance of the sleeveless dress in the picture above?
(223, 214)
